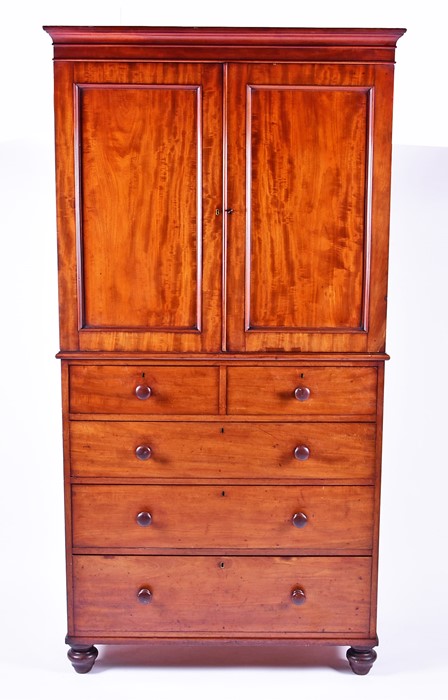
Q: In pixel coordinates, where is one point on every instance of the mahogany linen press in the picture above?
(223, 215)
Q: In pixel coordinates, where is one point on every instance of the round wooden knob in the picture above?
(144, 452)
(143, 392)
(298, 596)
(144, 518)
(144, 596)
(302, 452)
(299, 520)
(302, 393)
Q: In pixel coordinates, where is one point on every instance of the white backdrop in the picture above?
(413, 572)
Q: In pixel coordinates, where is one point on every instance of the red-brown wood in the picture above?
(220, 450)
(303, 261)
(143, 265)
(223, 204)
(272, 390)
(112, 389)
(125, 199)
(234, 517)
(224, 43)
(207, 594)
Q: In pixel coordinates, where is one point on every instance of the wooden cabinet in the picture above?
(222, 201)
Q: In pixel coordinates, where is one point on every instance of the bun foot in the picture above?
(361, 659)
(82, 657)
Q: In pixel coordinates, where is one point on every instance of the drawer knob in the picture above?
(144, 452)
(302, 393)
(298, 596)
(144, 596)
(299, 520)
(302, 452)
(143, 392)
(144, 518)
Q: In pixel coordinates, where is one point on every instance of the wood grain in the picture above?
(224, 43)
(307, 240)
(339, 517)
(270, 390)
(144, 179)
(177, 390)
(223, 210)
(221, 594)
(231, 450)
(141, 240)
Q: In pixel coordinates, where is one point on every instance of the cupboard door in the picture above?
(146, 268)
(308, 183)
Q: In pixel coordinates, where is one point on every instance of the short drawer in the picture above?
(163, 594)
(230, 450)
(302, 391)
(143, 390)
(233, 517)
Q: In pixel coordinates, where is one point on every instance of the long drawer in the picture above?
(302, 391)
(289, 517)
(144, 390)
(232, 450)
(260, 595)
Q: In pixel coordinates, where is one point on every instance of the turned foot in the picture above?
(361, 659)
(82, 657)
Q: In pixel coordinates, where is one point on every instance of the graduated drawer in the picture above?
(290, 517)
(151, 594)
(143, 390)
(230, 450)
(302, 391)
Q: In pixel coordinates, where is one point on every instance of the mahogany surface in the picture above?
(206, 594)
(211, 517)
(213, 450)
(223, 220)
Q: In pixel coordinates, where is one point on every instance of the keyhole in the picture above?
(221, 564)
(223, 493)
(143, 375)
(302, 376)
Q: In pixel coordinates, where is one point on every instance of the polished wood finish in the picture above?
(224, 43)
(215, 450)
(298, 596)
(293, 170)
(302, 453)
(112, 389)
(299, 520)
(82, 657)
(116, 192)
(207, 594)
(223, 212)
(144, 596)
(158, 276)
(310, 291)
(272, 390)
(237, 517)
(361, 659)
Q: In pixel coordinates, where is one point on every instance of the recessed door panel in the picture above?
(302, 175)
(306, 202)
(147, 180)
(141, 210)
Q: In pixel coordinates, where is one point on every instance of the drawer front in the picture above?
(234, 517)
(232, 450)
(151, 594)
(144, 390)
(302, 392)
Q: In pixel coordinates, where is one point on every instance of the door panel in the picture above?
(300, 183)
(148, 177)
(141, 214)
